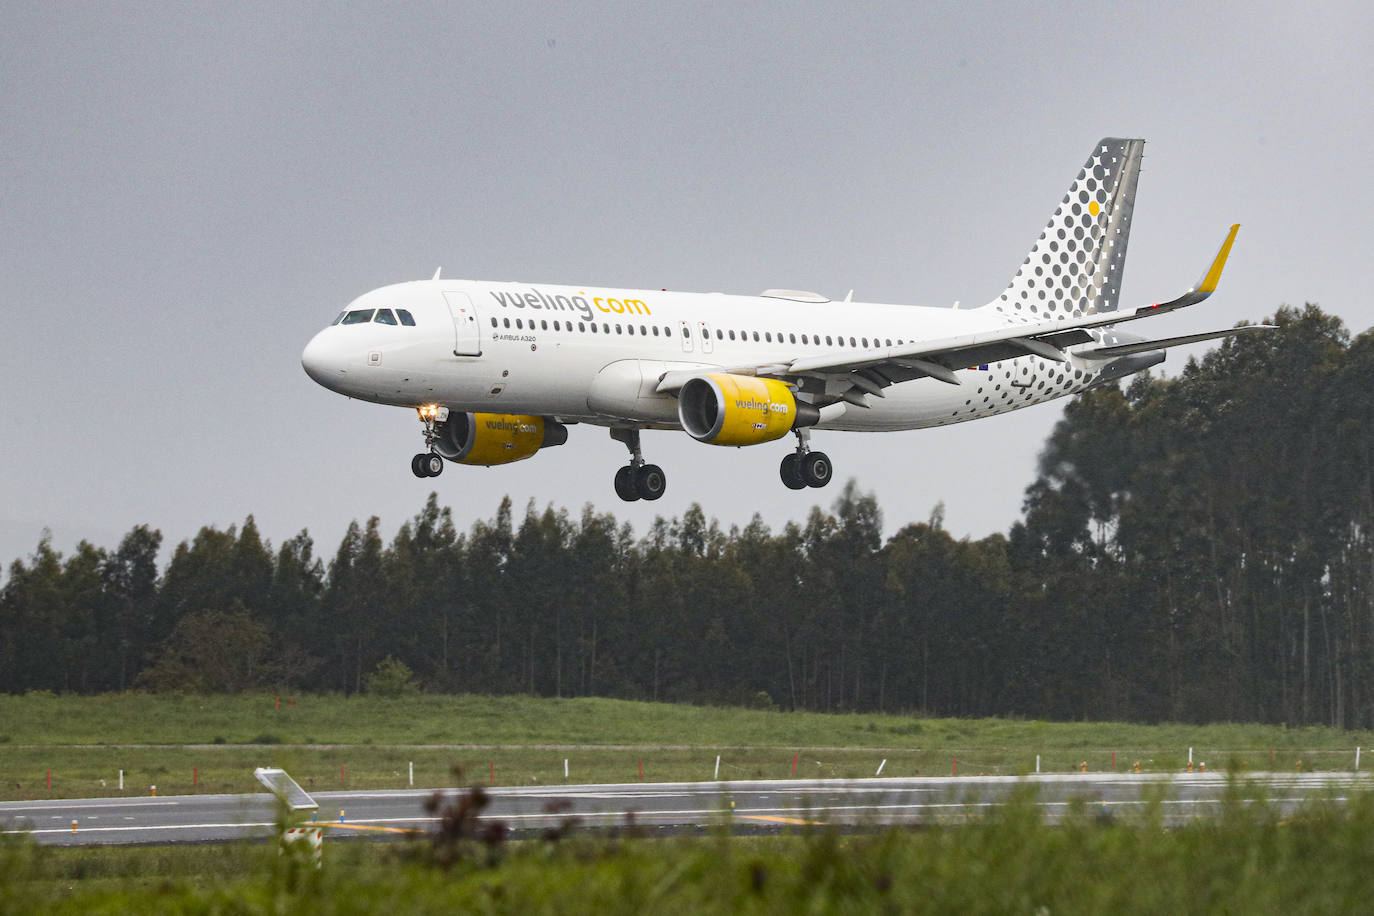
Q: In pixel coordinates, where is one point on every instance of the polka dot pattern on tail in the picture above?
(1075, 267)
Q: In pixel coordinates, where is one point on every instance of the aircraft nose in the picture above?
(320, 359)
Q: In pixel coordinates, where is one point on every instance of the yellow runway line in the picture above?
(376, 827)
(779, 820)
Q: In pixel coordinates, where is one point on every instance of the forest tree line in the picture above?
(1193, 549)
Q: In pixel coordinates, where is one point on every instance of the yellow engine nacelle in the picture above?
(724, 409)
(496, 438)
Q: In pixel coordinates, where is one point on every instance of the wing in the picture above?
(851, 376)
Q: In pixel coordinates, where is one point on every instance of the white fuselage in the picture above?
(596, 355)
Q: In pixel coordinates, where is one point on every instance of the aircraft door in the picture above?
(706, 345)
(467, 339)
(686, 330)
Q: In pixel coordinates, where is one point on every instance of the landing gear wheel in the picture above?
(427, 464)
(433, 464)
(790, 471)
(816, 469)
(625, 484)
(650, 481)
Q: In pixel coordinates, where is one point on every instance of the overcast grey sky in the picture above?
(191, 190)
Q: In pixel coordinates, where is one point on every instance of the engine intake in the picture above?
(496, 438)
(725, 409)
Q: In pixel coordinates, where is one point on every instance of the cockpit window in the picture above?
(358, 316)
(384, 316)
(406, 318)
(338, 318)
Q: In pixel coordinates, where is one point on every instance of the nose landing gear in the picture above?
(805, 468)
(429, 463)
(637, 480)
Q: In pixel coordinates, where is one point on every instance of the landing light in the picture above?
(432, 412)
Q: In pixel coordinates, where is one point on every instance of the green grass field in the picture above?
(185, 744)
(1247, 860)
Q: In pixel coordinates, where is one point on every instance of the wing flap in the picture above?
(1145, 346)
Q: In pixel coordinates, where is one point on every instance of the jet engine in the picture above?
(495, 438)
(724, 409)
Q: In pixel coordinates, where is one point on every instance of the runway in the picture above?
(661, 808)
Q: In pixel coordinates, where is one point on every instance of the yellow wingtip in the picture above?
(1213, 275)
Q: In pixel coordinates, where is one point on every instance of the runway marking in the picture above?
(69, 804)
(405, 830)
(781, 820)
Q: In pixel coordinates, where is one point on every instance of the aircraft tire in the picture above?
(790, 472)
(650, 481)
(416, 467)
(432, 463)
(816, 469)
(625, 484)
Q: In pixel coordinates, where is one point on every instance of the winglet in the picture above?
(1205, 286)
(437, 272)
(1208, 283)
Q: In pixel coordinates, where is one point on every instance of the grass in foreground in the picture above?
(187, 744)
(1246, 860)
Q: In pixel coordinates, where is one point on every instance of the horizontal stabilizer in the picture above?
(1146, 346)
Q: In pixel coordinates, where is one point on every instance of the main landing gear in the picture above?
(428, 463)
(805, 468)
(637, 480)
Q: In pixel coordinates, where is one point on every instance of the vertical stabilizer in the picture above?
(1076, 265)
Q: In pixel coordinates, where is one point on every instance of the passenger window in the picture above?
(768, 336)
(865, 342)
(555, 324)
(655, 330)
(827, 341)
(803, 338)
(732, 335)
(605, 328)
(791, 338)
(593, 325)
(493, 322)
(338, 318)
(581, 327)
(887, 342)
(720, 335)
(506, 322)
(686, 333)
(407, 319)
(852, 343)
(643, 331)
(630, 329)
(543, 325)
(756, 337)
(359, 316)
(619, 329)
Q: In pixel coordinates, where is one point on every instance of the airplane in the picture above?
(497, 371)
